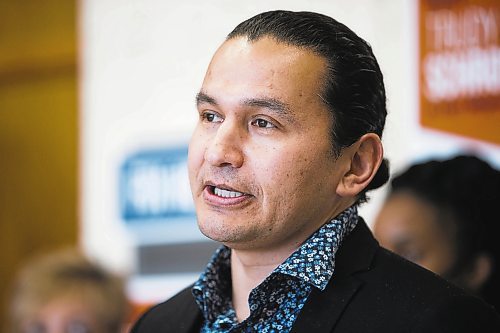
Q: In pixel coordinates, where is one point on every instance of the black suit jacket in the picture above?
(372, 290)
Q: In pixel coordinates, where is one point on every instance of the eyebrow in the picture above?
(270, 103)
(201, 98)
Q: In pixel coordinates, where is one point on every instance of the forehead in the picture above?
(264, 67)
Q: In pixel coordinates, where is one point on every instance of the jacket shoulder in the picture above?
(383, 292)
(412, 298)
(178, 314)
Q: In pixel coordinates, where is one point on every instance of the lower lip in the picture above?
(216, 200)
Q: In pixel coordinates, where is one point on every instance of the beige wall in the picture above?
(38, 130)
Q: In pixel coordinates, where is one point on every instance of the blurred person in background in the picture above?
(64, 291)
(443, 215)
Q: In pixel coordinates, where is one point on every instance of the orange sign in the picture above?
(460, 67)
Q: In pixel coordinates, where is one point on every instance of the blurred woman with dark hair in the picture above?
(443, 215)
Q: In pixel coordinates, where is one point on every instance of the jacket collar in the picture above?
(324, 308)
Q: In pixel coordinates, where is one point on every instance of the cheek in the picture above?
(286, 173)
(193, 161)
(440, 258)
(195, 153)
(388, 231)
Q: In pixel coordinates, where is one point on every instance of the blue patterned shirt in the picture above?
(277, 301)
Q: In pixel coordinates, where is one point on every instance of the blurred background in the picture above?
(97, 107)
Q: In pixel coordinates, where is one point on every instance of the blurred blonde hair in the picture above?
(66, 273)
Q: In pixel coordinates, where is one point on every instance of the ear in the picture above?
(480, 272)
(364, 158)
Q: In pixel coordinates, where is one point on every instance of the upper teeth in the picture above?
(226, 194)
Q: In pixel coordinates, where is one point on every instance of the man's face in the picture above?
(261, 167)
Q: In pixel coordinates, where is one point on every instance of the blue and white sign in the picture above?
(154, 185)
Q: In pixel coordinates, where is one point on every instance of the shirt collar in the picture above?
(214, 284)
(314, 261)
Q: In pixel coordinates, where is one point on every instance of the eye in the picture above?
(211, 117)
(262, 123)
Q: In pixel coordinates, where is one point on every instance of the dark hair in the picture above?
(466, 189)
(354, 87)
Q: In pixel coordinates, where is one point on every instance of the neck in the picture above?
(247, 272)
(250, 267)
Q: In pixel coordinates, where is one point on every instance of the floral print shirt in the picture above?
(278, 300)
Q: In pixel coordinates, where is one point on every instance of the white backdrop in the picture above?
(143, 61)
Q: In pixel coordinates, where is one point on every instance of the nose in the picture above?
(225, 147)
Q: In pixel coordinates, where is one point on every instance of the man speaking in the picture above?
(288, 142)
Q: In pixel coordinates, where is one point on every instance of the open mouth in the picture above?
(224, 193)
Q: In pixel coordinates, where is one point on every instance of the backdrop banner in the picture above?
(459, 60)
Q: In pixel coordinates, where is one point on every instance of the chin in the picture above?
(221, 232)
(214, 231)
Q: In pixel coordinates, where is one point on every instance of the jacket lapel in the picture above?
(186, 315)
(323, 309)
(191, 322)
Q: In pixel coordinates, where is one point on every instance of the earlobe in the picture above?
(365, 158)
